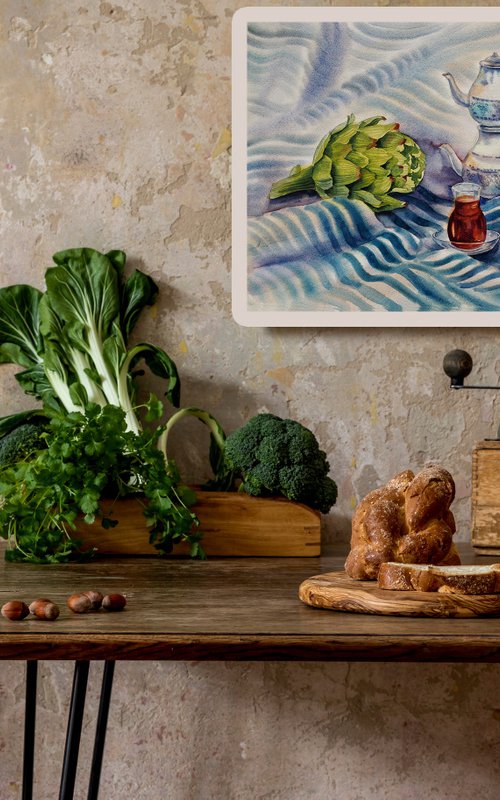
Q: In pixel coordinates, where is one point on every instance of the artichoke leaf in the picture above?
(380, 172)
(377, 131)
(367, 197)
(337, 150)
(345, 171)
(339, 190)
(381, 186)
(325, 141)
(322, 173)
(360, 141)
(358, 158)
(366, 179)
(391, 204)
(346, 135)
(392, 140)
(370, 121)
(403, 185)
(378, 156)
(320, 149)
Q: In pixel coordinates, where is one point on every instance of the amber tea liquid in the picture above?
(467, 223)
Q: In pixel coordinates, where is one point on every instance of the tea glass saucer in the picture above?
(441, 237)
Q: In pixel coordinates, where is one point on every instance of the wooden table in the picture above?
(221, 609)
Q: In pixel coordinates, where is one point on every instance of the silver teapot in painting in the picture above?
(482, 163)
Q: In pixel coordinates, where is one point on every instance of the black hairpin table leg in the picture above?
(100, 733)
(29, 730)
(74, 730)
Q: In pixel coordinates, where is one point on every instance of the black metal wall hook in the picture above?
(458, 364)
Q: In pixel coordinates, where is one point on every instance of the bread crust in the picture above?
(452, 579)
(398, 577)
(408, 521)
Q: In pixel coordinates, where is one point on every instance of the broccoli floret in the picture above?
(280, 456)
(21, 443)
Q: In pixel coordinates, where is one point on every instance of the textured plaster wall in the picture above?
(115, 133)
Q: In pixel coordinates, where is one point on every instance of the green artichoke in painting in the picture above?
(369, 161)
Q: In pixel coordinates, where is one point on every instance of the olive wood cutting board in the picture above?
(337, 592)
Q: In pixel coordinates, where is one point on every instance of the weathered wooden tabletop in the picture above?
(221, 609)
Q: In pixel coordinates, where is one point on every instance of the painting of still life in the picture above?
(366, 166)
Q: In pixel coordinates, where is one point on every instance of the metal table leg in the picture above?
(29, 730)
(74, 730)
(100, 734)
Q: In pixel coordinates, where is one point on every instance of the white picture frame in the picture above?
(288, 307)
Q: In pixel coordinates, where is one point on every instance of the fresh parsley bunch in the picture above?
(90, 456)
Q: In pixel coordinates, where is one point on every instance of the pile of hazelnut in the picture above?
(80, 603)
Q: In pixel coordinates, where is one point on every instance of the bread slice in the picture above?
(456, 579)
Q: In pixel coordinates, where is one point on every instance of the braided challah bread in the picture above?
(408, 521)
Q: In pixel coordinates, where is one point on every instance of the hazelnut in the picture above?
(79, 603)
(15, 609)
(114, 602)
(37, 603)
(43, 608)
(95, 599)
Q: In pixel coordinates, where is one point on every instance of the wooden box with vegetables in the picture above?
(88, 470)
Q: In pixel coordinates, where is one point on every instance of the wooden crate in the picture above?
(233, 524)
(485, 535)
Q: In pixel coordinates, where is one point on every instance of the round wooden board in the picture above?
(338, 592)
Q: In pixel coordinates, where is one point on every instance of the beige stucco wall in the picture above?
(115, 133)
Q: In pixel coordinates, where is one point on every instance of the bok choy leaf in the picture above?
(20, 340)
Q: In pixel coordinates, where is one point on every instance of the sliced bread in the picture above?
(456, 579)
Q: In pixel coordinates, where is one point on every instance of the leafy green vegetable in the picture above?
(89, 457)
(13, 421)
(275, 456)
(22, 442)
(72, 339)
(72, 343)
(368, 161)
(267, 456)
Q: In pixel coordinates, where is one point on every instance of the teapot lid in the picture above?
(491, 61)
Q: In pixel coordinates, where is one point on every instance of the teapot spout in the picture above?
(454, 159)
(460, 97)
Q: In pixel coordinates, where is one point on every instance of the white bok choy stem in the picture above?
(191, 411)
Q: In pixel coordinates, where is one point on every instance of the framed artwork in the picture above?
(366, 167)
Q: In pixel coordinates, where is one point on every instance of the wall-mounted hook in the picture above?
(458, 364)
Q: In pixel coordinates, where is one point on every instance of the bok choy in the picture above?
(72, 339)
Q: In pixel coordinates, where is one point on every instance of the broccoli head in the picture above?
(20, 443)
(275, 456)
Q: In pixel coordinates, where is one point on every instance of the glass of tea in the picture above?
(467, 223)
